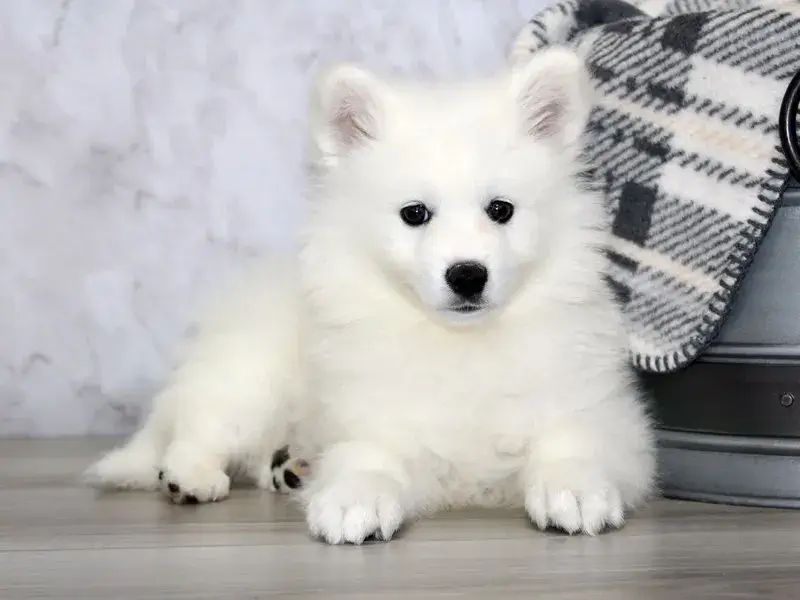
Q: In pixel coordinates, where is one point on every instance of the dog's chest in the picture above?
(463, 404)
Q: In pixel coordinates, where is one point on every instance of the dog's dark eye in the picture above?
(500, 211)
(415, 214)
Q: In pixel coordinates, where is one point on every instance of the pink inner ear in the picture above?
(546, 119)
(348, 122)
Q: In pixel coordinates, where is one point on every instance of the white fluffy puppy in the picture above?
(445, 336)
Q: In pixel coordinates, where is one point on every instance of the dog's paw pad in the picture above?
(287, 473)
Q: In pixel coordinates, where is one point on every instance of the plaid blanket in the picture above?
(684, 144)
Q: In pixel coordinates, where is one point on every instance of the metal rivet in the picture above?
(787, 399)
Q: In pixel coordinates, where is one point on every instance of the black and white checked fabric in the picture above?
(684, 143)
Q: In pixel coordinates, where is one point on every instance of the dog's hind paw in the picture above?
(185, 480)
(284, 473)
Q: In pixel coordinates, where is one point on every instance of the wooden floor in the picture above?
(58, 540)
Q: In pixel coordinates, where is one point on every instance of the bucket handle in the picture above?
(787, 125)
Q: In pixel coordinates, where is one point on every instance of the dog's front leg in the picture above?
(356, 492)
(582, 474)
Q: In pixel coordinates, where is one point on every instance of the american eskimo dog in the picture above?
(445, 337)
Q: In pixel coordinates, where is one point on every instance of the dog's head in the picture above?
(452, 191)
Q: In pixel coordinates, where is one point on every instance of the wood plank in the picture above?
(59, 540)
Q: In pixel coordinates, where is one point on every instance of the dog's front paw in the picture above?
(193, 482)
(365, 506)
(573, 498)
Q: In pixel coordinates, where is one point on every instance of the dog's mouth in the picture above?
(465, 313)
(466, 308)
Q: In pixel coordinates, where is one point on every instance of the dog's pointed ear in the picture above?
(554, 95)
(346, 109)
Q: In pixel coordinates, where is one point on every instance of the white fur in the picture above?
(351, 353)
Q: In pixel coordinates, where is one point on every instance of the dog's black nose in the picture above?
(467, 279)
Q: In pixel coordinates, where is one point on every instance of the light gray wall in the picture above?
(150, 147)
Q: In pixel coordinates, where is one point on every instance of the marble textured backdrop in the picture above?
(148, 148)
